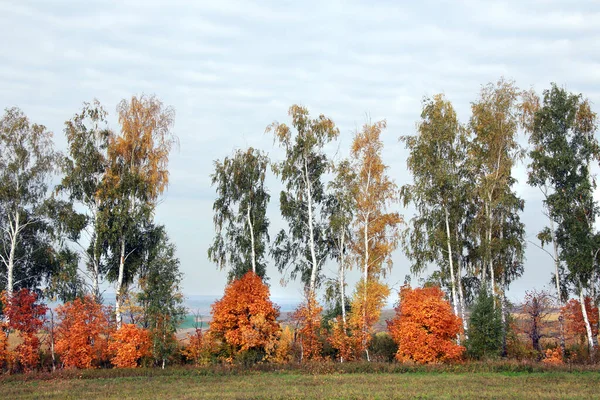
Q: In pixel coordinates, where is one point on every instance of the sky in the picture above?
(230, 68)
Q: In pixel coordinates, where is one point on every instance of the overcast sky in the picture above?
(231, 68)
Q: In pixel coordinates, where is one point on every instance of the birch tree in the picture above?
(437, 163)
(562, 134)
(376, 228)
(241, 224)
(493, 153)
(27, 161)
(304, 247)
(137, 175)
(340, 212)
(84, 171)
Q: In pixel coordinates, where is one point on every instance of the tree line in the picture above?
(97, 224)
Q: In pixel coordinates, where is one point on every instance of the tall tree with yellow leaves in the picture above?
(376, 229)
(137, 175)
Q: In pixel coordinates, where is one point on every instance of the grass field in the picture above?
(190, 384)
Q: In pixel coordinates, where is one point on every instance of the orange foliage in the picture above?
(366, 310)
(283, 350)
(347, 345)
(4, 354)
(245, 318)
(81, 335)
(425, 327)
(553, 356)
(198, 348)
(129, 345)
(308, 319)
(573, 317)
(27, 317)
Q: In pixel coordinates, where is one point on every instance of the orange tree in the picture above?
(26, 316)
(245, 318)
(308, 322)
(128, 345)
(573, 318)
(425, 328)
(82, 333)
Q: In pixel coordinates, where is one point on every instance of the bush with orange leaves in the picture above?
(425, 328)
(553, 357)
(26, 316)
(573, 317)
(344, 340)
(82, 333)
(245, 318)
(308, 322)
(199, 348)
(4, 354)
(129, 345)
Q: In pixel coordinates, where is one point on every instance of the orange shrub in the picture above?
(245, 318)
(4, 354)
(81, 334)
(346, 343)
(365, 311)
(26, 316)
(308, 320)
(553, 356)
(425, 328)
(129, 345)
(283, 350)
(198, 348)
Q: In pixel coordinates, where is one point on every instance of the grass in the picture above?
(324, 381)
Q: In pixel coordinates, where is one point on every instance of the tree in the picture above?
(82, 333)
(27, 161)
(376, 229)
(437, 161)
(562, 133)
(339, 210)
(84, 173)
(536, 308)
(575, 326)
(493, 153)
(137, 175)
(304, 248)
(26, 316)
(245, 319)
(307, 319)
(485, 336)
(425, 327)
(161, 297)
(129, 344)
(240, 213)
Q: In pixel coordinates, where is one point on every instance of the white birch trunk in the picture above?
(342, 277)
(251, 228)
(14, 233)
(451, 262)
(120, 289)
(586, 320)
(313, 255)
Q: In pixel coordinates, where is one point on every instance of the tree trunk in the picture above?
(588, 328)
(14, 234)
(118, 300)
(342, 278)
(251, 228)
(366, 281)
(95, 260)
(557, 281)
(313, 255)
(451, 263)
(460, 292)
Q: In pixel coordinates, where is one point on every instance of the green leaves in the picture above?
(240, 213)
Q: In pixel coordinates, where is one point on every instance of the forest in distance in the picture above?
(74, 221)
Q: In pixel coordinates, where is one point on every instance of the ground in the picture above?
(191, 384)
